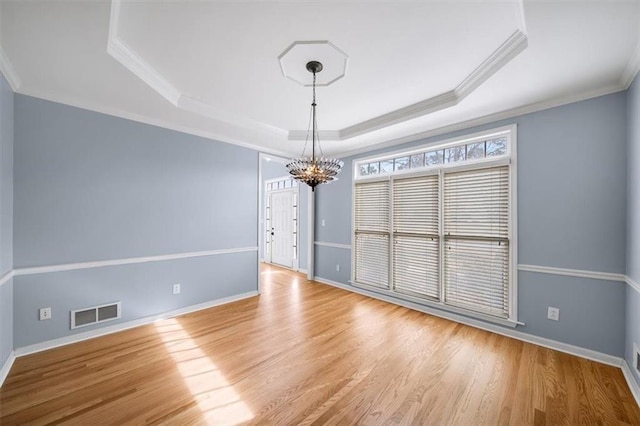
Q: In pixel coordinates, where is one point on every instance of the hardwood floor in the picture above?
(307, 353)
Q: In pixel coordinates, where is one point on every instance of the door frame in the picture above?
(295, 191)
(310, 219)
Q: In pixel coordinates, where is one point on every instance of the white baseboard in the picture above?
(67, 340)
(631, 381)
(509, 332)
(4, 371)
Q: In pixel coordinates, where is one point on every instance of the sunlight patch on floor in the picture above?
(216, 398)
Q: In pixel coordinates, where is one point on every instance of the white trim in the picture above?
(501, 56)
(128, 58)
(631, 381)
(261, 218)
(491, 118)
(9, 71)
(75, 338)
(334, 245)
(311, 221)
(440, 306)
(136, 64)
(6, 367)
(509, 159)
(116, 262)
(6, 277)
(634, 284)
(632, 68)
(607, 276)
(512, 47)
(437, 145)
(116, 112)
(513, 226)
(494, 328)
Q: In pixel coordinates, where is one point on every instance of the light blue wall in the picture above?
(633, 222)
(144, 289)
(6, 218)
(276, 169)
(92, 187)
(571, 214)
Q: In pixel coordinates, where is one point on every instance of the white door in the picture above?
(281, 205)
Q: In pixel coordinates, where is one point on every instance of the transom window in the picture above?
(436, 225)
(486, 148)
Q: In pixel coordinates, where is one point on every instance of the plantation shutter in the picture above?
(416, 239)
(476, 230)
(372, 233)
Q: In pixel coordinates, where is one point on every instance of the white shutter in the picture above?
(372, 233)
(476, 229)
(416, 240)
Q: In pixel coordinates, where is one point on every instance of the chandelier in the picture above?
(312, 170)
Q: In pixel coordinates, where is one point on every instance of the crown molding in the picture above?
(116, 112)
(632, 68)
(491, 118)
(134, 62)
(124, 54)
(511, 48)
(198, 106)
(436, 103)
(9, 71)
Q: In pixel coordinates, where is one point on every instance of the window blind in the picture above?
(476, 231)
(416, 241)
(372, 233)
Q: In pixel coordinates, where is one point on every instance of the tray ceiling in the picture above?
(403, 69)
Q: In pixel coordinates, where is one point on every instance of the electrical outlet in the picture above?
(176, 289)
(337, 268)
(553, 314)
(45, 314)
(636, 354)
(323, 222)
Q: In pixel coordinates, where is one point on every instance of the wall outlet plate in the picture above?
(176, 289)
(45, 314)
(553, 313)
(636, 358)
(337, 268)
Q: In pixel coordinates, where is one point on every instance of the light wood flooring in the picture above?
(307, 353)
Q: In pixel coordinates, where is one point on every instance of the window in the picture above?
(434, 225)
(372, 234)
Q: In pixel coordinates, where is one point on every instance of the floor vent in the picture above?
(95, 314)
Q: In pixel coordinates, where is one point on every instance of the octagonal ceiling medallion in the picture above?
(294, 59)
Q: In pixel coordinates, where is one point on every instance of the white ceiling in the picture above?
(413, 68)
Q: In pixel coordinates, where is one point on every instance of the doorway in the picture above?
(282, 222)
